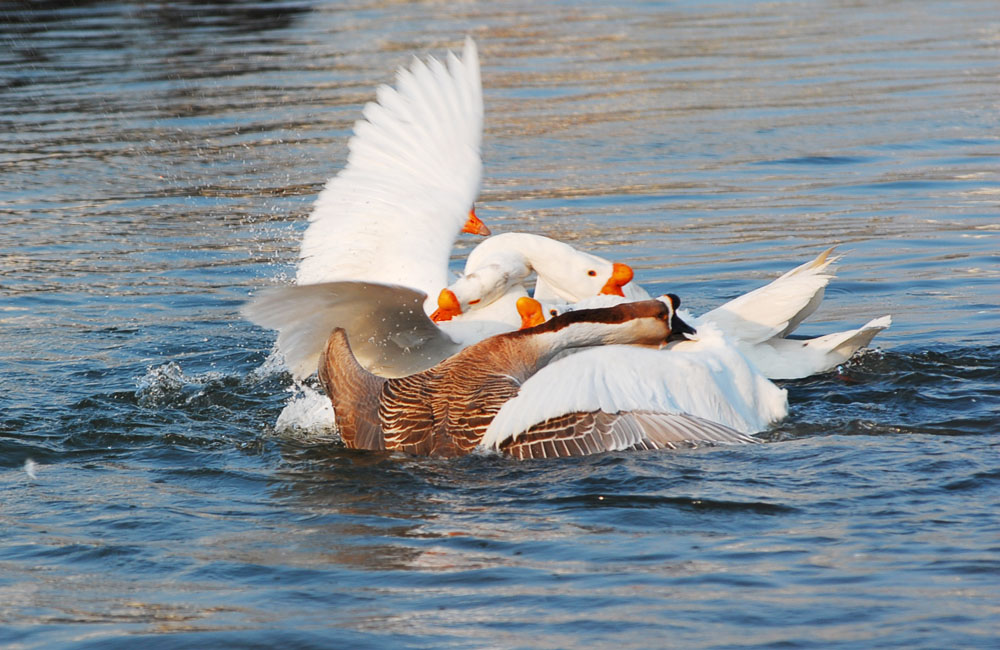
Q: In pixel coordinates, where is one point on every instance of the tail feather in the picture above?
(354, 393)
(845, 344)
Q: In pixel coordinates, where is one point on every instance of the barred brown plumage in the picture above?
(582, 433)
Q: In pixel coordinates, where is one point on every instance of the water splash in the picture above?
(274, 365)
(168, 385)
(308, 412)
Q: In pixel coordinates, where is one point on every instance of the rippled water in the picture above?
(157, 163)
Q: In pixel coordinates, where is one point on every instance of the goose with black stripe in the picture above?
(446, 410)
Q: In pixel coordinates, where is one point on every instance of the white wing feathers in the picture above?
(780, 358)
(709, 380)
(413, 172)
(386, 325)
(777, 308)
(845, 344)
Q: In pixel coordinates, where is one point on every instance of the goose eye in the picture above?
(553, 312)
(591, 273)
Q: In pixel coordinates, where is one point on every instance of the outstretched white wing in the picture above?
(386, 325)
(709, 381)
(413, 172)
(775, 309)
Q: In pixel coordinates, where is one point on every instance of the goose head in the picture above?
(489, 284)
(648, 322)
(503, 263)
(569, 275)
(565, 274)
(479, 289)
(679, 330)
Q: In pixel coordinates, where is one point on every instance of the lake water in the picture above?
(157, 165)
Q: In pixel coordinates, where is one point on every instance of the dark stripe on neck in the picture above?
(618, 314)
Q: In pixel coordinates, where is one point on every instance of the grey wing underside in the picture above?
(388, 330)
(584, 433)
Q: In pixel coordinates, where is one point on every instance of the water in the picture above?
(157, 166)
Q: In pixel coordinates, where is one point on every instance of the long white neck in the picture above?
(478, 289)
(502, 309)
(562, 270)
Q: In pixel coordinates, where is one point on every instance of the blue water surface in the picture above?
(157, 166)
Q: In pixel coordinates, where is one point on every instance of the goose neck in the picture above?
(548, 344)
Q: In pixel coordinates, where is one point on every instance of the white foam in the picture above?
(308, 411)
(168, 384)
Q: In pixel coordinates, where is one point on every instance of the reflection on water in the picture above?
(159, 160)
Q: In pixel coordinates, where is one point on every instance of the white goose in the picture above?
(447, 410)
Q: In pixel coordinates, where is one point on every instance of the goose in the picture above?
(448, 409)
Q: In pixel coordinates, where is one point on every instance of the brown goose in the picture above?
(444, 411)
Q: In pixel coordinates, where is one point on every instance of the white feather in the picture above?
(781, 358)
(412, 174)
(386, 325)
(777, 308)
(712, 380)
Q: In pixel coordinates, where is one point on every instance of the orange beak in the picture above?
(448, 306)
(474, 226)
(530, 311)
(621, 274)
